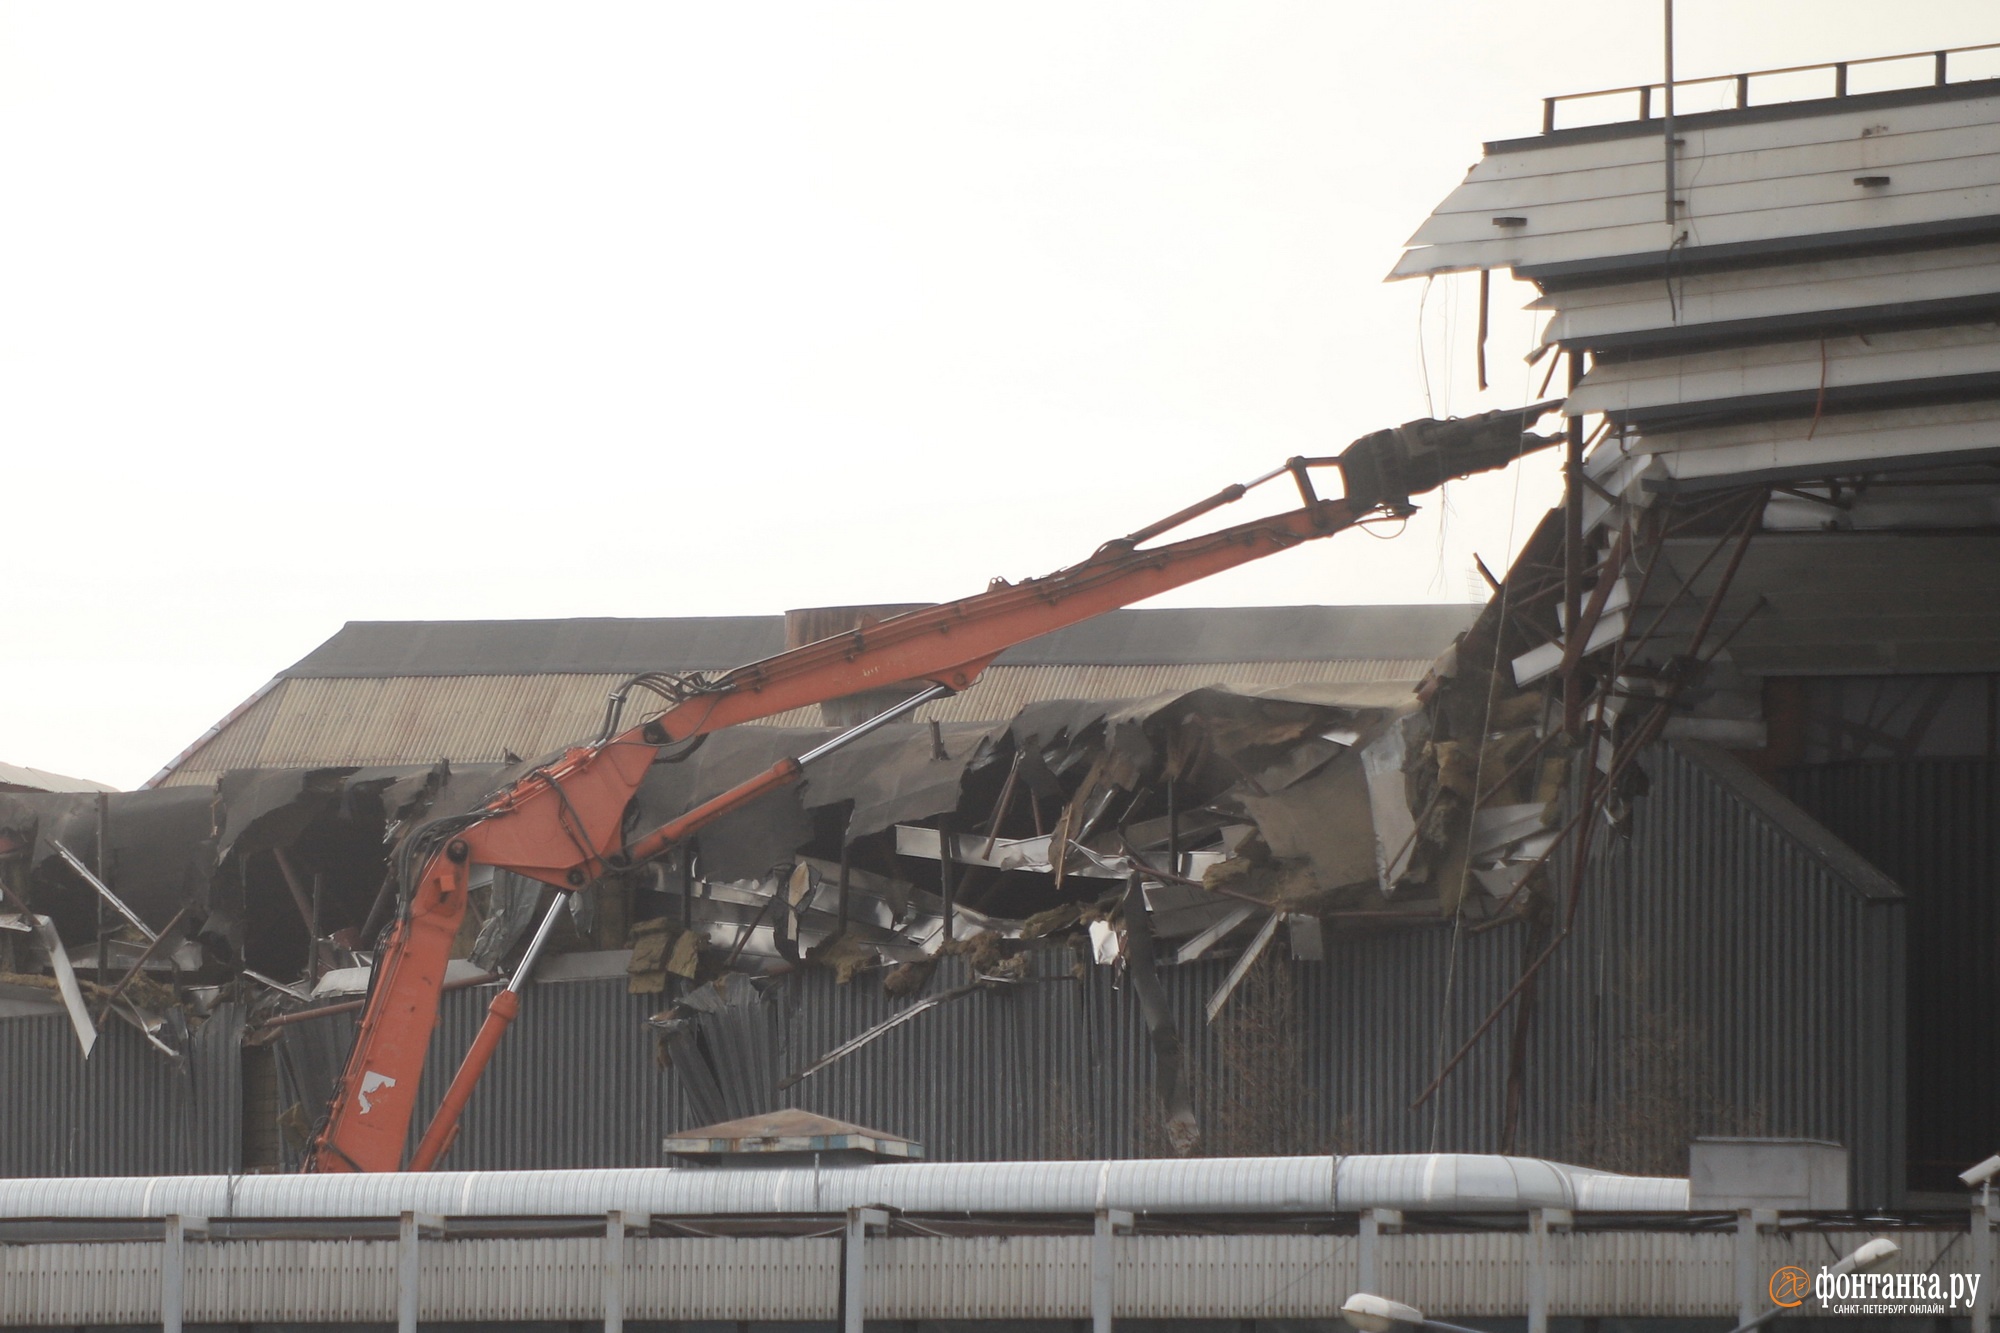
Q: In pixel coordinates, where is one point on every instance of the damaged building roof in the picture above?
(1785, 395)
(404, 692)
(1528, 899)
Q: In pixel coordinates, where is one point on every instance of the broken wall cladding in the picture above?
(1064, 1068)
(1772, 953)
(1057, 1067)
(1934, 826)
(127, 1111)
(1729, 917)
(1732, 923)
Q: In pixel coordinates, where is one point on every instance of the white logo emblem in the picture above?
(373, 1082)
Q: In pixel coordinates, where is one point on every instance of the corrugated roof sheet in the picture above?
(376, 649)
(16, 777)
(311, 723)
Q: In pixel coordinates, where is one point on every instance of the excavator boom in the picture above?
(563, 821)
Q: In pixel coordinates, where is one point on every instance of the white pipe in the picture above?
(1446, 1182)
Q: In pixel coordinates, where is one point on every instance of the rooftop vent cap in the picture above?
(789, 1137)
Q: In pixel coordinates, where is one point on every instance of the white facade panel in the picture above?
(1836, 363)
(1711, 213)
(1846, 440)
(1754, 181)
(1792, 289)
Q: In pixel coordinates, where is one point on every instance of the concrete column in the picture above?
(1542, 1222)
(1375, 1223)
(1752, 1281)
(174, 1236)
(1746, 1264)
(412, 1228)
(854, 1267)
(1104, 1266)
(617, 1223)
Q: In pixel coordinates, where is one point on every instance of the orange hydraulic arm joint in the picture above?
(563, 821)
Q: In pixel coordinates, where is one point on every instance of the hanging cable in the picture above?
(1501, 598)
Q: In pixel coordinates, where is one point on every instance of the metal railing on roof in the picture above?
(1940, 76)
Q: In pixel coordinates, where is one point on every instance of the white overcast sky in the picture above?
(313, 313)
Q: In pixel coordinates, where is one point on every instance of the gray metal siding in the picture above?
(129, 1110)
(574, 1084)
(1934, 824)
(1732, 935)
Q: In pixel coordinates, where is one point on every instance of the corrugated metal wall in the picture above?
(1934, 826)
(574, 1085)
(129, 1109)
(1728, 944)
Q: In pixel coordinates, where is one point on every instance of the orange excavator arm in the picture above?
(563, 821)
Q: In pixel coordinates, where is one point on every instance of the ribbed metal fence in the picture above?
(1256, 1276)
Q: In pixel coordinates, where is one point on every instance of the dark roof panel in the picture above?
(372, 649)
(377, 649)
(1175, 635)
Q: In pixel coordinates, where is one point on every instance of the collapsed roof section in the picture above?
(479, 691)
(1239, 809)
